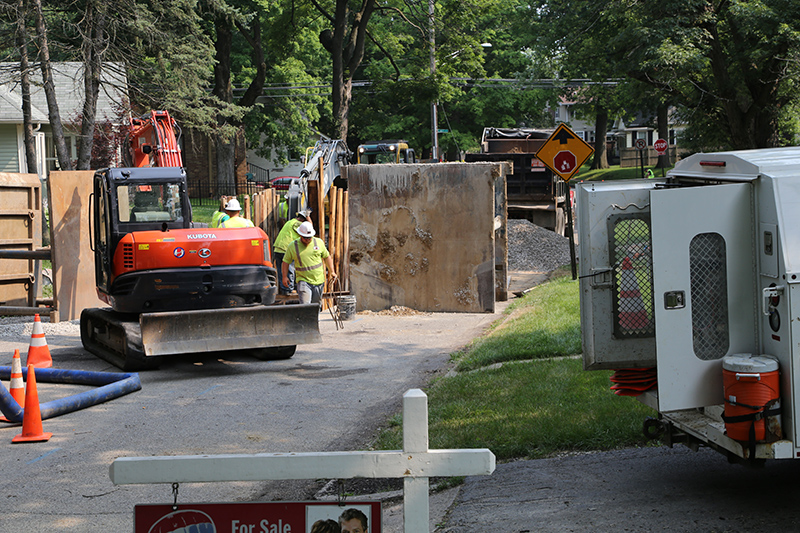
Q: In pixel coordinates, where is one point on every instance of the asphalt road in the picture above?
(634, 490)
(329, 396)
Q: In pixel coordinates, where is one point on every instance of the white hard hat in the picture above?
(306, 229)
(305, 212)
(233, 205)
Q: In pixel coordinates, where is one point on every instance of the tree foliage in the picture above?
(732, 65)
(285, 69)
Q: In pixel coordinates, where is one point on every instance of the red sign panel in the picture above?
(565, 162)
(259, 517)
(661, 146)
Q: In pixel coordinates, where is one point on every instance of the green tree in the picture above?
(345, 43)
(294, 108)
(731, 64)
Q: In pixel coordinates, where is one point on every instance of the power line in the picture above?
(481, 83)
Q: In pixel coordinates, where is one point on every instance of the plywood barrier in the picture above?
(73, 260)
(423, 236)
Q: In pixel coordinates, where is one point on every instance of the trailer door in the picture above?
(704, 289)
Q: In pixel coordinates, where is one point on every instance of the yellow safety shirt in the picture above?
(216, 218)
(237, 222)
(287, 235)
(307, 260)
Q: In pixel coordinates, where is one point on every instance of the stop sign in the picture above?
(661, 146)
(564, 161)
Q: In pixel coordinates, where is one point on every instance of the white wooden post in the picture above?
(415, 464)
(416, 509)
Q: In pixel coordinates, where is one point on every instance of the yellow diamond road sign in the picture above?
(564, 152)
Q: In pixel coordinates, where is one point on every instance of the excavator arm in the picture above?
(153, 141)
(323, 164)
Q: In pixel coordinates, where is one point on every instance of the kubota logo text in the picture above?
(201, 236)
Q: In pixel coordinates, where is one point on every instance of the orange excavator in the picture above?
(174, 286)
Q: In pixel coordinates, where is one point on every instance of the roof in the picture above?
(741, 165)
(68, 78)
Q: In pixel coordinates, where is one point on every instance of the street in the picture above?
(328, 397)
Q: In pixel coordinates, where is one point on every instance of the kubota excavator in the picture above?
(172, 286)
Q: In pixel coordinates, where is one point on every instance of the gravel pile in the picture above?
(535, 249)
(21, 327)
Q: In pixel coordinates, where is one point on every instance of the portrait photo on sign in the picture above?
(354, 516)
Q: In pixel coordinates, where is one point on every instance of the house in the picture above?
(564, 113)
(621, 135)
(68, 77)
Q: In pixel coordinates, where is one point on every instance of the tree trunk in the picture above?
(600, 128)
(25, 83)
(346, 51)
(226, 175)
(93, 47)
(64, 160)
(664, 161)
(341, 107)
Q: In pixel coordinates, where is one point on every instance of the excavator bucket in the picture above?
(238, 328)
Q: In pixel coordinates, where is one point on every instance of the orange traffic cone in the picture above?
(632, 314)
(38, 352)
(16, 387)
(32, 416)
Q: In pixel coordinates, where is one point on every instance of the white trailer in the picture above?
(682, 273)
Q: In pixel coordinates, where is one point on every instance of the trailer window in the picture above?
(708, 275)
(632, 279)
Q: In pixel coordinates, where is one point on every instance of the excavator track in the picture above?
(131, 342)
(116, 338)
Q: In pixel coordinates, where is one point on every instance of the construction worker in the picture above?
(232, 209)
(308, 254)
(286, 237)
(219, 215)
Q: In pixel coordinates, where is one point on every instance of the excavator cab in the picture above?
(125, 200)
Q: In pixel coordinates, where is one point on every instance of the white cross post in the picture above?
(415, 463)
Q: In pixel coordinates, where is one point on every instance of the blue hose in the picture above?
(110, 385)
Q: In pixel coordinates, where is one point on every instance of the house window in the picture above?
(51, 157)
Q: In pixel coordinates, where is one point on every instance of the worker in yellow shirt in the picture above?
(232, 209)
(219, 215)
(287, 236)
(308, 253)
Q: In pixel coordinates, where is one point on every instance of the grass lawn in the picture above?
(613, 173)
(540, 401)
(202, 213)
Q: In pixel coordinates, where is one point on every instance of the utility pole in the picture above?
(434, 114)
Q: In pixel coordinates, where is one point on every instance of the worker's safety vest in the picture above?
(237, 222)
(308, 260)
(287, 235)
(216, 218)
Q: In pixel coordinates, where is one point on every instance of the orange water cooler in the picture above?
(752, 397)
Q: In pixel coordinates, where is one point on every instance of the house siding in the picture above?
(9, 158)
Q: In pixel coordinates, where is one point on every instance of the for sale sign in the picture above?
(258, 517)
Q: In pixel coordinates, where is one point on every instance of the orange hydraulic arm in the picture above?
(154, 141)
